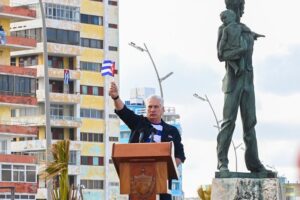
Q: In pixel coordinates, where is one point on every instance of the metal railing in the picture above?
(61, 117)
(13, 93)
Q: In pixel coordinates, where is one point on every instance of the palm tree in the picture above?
(59, 167)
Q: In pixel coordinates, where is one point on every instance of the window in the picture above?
(113, 3)
(113, 139)
(56, 110)
(13, 61)
(175, 186)
(89, 66)
(28, 61)
(24, 86)
(113, 116)
(31, 174)
(63, 36)
(18, 173)
(7, 84)
(62, 12)
(3, 146)
(92, 43)
(91, 137)
(72, 159)
(124, 134)
(91, 19)
(91, 90)
(84, 89)
(51, 35)
(111, 48)
(92, 184)
(6, 173)
(114, 184)
(113, 26)
(92, 113)
(21, 112)
(57, 133)
(35, 33)
(92, 160)
(56, 62)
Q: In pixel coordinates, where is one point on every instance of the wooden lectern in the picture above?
(144, 168)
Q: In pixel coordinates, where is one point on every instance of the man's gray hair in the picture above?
(161, 100)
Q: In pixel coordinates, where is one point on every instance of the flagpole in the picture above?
(107, 100)
(107, 71)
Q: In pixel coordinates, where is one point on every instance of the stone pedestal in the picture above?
(246, 189)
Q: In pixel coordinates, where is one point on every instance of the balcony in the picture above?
(62, 98)
(18, 130)
(29, 145)
(65, 121)
(59, 73)
(55, 73)
(17, 13)
(39, 145)
(25, 121)
(20, 187)
(13, 70)
(63, 49)
(19, 43)
(9, 98)
(11, 158)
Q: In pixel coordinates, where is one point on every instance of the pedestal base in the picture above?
(246, 188)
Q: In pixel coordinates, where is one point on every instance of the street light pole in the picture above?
(157, 75)
(218, 125)
(47, 103)
(153, 63)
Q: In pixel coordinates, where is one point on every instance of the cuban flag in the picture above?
(66, 76)
(108, 68)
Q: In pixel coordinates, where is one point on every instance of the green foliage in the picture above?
(59, 167)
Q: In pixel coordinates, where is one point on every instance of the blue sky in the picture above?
(181, 36)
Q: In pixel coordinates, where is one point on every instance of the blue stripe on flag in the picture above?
(106, 74)
(106, 69)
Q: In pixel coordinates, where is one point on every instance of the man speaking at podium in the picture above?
(150, 128)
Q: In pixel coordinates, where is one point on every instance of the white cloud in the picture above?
(279, 109)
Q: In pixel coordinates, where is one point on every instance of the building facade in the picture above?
(136, 104)
(18, 173)
(80, 35)
(292, 191)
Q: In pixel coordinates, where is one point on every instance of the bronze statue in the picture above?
(235, 47)
(237, 6)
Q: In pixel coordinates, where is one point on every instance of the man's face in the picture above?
(154, 110)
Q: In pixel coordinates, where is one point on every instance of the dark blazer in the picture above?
(139, 124)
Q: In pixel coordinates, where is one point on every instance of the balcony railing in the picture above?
(13, 70)
(12, 93)
(70, 118)
(20, 42)
(11, 98)
(17, 11)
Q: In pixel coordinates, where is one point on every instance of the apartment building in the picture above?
(80, 35)
(18, 173)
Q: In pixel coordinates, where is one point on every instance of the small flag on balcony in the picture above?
(66, 76)
(108, 68)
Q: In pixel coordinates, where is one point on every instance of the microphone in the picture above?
(141, 136)
(152, 131)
